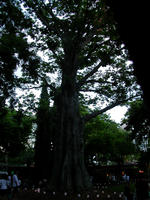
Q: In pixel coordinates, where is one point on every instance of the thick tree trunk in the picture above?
(69, 172)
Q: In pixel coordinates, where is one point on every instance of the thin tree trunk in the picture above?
(43, 155)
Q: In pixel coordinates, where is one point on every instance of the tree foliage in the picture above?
(15, 130)
(15, 50)
(82, 34)
(137, 121)
(106, 139)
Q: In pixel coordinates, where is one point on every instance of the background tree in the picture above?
(107, 141)
(81, 44)
(137, 121)
(15, 131)
(43, 135)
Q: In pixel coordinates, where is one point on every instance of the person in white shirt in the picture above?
(14, 183)
(4, 184)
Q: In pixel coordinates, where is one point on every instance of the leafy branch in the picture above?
(84, 79)
(112, 105)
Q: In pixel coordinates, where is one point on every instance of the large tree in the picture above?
(80, 43)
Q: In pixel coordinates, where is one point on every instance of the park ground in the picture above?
(113, 192)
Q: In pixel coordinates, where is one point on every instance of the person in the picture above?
(124, 177)
(13, 184)
(15, 181)
(4, 185)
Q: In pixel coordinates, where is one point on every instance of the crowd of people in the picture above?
(9, 184)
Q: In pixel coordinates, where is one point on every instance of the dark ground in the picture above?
(113, 192)
(88, 195)
(99, 192)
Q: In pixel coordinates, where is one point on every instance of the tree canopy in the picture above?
(81, 33)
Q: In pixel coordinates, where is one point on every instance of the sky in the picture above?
(117, 113)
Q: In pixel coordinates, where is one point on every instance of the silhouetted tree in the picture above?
(80, 40)
(43, 137)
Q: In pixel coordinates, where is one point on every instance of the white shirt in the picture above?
(15, 180)
(4, 184)
(9, 181)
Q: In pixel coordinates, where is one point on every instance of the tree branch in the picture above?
(96, 113)
(47, 84)
(98, 81)
(90, 90)
(30, 88)
(38, 87)
(56, 19)
(83, 80)
(92, 49)
(97, 46)
(112, 105)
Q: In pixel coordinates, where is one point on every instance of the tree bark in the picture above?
(69, 172)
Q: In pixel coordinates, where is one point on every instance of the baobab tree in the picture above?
(80, 42)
